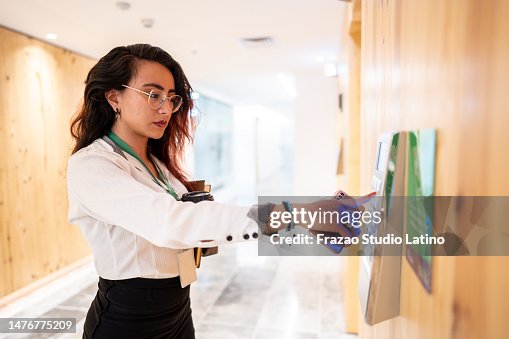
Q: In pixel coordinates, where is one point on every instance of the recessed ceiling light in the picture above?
(51, 36)
(123, 5)
(195, 95)
(147, 22)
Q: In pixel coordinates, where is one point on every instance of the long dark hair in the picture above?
(96, 117)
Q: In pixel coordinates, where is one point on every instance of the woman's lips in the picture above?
(160, 123)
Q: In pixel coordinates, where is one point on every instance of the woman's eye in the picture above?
(155, 96)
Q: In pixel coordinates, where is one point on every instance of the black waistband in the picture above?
(144, 282)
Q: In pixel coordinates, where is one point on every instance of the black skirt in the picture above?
(140, 308)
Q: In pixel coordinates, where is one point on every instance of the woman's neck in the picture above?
(138, 143)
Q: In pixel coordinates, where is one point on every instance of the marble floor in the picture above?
(238, 295)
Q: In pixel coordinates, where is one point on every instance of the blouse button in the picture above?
(246, 236)
(229, 238)
(255, 235)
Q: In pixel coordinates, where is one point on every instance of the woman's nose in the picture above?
(165, 107)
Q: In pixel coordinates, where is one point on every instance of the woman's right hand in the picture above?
(340, 203)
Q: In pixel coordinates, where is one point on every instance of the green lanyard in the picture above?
(125, 147)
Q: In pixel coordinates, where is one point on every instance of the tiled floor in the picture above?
(241, 295)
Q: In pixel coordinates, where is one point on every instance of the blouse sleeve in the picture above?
(100, 185)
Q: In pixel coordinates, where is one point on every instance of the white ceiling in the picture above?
(202, 35)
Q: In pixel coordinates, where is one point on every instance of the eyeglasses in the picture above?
(156, 99)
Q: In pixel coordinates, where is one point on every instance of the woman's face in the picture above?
(137, 118)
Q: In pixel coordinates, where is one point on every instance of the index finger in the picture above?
(364, 199)
(359, 202)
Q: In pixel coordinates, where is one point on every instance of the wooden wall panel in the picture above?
(443, 64)
(349, 84)
(40, 87)
(349, 88)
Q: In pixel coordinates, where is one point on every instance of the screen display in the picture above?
(378, 156)
(382, 156)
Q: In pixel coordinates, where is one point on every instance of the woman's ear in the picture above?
(112, 96)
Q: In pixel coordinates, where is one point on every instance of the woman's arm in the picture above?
(100, 185)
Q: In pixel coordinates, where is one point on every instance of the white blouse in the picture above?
(133, 226)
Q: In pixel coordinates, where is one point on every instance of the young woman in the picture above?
(125, 180)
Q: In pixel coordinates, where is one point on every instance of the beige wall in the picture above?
(442, 64)
(40, 87)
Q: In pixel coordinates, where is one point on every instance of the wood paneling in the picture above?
(349, 78)
(443, 64)
(349, 131)
(40, 88)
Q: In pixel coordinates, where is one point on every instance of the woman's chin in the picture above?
(156, 134)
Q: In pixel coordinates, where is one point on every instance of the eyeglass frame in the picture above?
(148, 94)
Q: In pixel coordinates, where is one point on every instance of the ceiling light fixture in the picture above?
(123, 5)
(147, 22)
(51, 36)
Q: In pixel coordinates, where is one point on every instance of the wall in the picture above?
(349, 78)
(443, 64)
(349, 83)
(40, 88)
(262, 151)
(316, 108)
